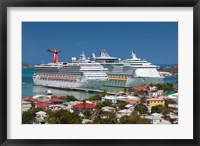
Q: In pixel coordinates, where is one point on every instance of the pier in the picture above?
(82, 89)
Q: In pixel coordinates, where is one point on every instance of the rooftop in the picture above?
(42, 104)
(56, 100)
(84, 105)
(145, 87)
(155, 99)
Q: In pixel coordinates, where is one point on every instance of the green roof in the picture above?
(170, 92)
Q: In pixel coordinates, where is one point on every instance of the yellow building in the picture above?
(155, 101)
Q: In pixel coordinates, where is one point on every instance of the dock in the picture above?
(82, 89)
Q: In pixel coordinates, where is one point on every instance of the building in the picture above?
(173, 107)
(129, 101)
(155, 102)
(42, 104)
(174, 97)
(26, 105)
(157, 93)
(138, 88)
(56, 100)
(84, 106)
(40, 117)
(112, 99)
(156, 118)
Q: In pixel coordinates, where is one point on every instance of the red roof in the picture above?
(42, 104)
(168, 118)
(56, 100)
(28, 98)
(87, 105)
(141, 87)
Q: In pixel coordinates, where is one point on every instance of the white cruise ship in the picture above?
(80, 73)
(130, 72)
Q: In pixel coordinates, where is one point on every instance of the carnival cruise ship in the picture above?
(81, 73)
(128, 73)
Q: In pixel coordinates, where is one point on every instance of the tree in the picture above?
(134, 118)
(29, 115)
(156, 109)
(71, 98)
(63, 117)
(104, 93)
(126, 120)
(95, 97)
(165, 111)
(107, 103)
(167, 102)
(87, 114)
(165, 87)
(143, 100)
(122, 106)
(141, 108)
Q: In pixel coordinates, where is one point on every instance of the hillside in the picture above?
(26, 65)
(173, 70)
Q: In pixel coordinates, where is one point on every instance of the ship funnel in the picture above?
(93, 55)
(133, 55)
(55, 53)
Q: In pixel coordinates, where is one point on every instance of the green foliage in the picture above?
(160, 109)
(141, 108)
(29, 115)
(95, 97)
(126, 120)
(89, 123)
(98, 96)
(165, 87)
(133, 119)
(98, 105)
(165, 111)
(67, 98)
(122, 106)
(167, 102)
(71, 98)
(172, 121)
(104, 93)
(156, 109)
(87, 114)
(143, 100)
(125, 90)
(63, 117)
(107, 103)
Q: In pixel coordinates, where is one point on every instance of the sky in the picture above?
(156, 42)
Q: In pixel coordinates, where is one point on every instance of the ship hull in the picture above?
(90, 84)
(131, 82)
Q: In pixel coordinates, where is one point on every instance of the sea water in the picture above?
(29, 90)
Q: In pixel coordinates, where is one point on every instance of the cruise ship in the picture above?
(81, 73)
(128, 73)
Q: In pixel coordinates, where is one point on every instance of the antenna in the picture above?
(55, 53)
